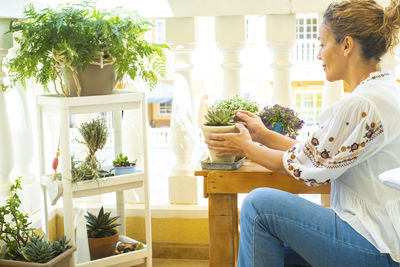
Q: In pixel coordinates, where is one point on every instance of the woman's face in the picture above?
(331, 54)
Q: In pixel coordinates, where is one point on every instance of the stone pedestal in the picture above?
(230, 37)
(6, 151)
(181, 35)
(281, 36)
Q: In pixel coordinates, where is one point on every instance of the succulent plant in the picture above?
(122, 161)
(60, 246)
(102, 225)
(38, 250)
(219, 117)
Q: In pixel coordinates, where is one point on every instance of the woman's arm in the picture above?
(259, 133)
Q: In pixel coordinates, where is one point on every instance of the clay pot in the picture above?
(102, 247)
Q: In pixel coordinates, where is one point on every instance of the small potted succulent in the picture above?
(282, 119)
(220, 119)
(81, 50)
(102, 235)
(123, 166)
(22, 246)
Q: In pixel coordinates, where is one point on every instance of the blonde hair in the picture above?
(366, 21)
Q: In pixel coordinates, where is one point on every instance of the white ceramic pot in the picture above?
(218, 129)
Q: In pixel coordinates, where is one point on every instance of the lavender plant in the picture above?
(291, 123)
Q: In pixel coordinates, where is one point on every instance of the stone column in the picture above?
(389, 63)
(230, 38)
(181, 35)
(281, 36)
(333, 91)
(6, 151)
(22, 135)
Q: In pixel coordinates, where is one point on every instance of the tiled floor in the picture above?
(179, 263)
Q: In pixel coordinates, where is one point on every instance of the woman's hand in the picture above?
(230, 144)
(252, 122)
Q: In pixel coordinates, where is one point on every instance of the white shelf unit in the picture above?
(64, 107)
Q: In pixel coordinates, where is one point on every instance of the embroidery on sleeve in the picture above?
(324, 160)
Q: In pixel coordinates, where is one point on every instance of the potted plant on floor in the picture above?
(84, 51)
(21, 246)
(102, 235)
(220, 119)
(123, 166)
(282, 119)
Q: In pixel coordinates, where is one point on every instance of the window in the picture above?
(309, 105)
(165, 109)
(306, 49)
(159, 31)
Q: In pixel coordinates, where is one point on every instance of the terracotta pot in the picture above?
(94, 80)
(62, 260)
(102, 247)
(218, 129)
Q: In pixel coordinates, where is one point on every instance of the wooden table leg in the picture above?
(223, 224)
(325, 200)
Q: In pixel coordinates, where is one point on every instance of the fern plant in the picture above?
(101, 225)
(77, 35)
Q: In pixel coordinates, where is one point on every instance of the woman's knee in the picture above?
(264, 198)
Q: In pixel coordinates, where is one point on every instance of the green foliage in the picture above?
(41, 251)
(61, 245)
(223, 111)
(122, 161)
(14, 225)
(79, 34)
(95, 135)
(102, 225)
(219, 117)
(81, 171)
(38, 250)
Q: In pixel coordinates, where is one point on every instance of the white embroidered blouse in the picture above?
(358, 139)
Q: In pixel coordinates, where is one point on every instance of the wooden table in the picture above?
(221, 188)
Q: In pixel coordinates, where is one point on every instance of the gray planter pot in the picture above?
(94, 80)
(62, 260)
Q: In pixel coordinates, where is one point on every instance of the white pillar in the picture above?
(333, 91)
(22, 135)
(6, 152)
(230, 38)
(389, 63)
(281, 36)
(181, 34)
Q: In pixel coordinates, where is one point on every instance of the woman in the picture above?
(358, 139)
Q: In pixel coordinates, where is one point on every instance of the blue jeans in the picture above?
(281, 229)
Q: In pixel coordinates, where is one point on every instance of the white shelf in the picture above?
(125, 259)
(116, 102)
(103, 185)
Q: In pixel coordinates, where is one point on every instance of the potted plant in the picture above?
(281, 119)
(84, 51)
(220, 119)
(21, 245)
(101, 234)
(94, 134)
(123, 166)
